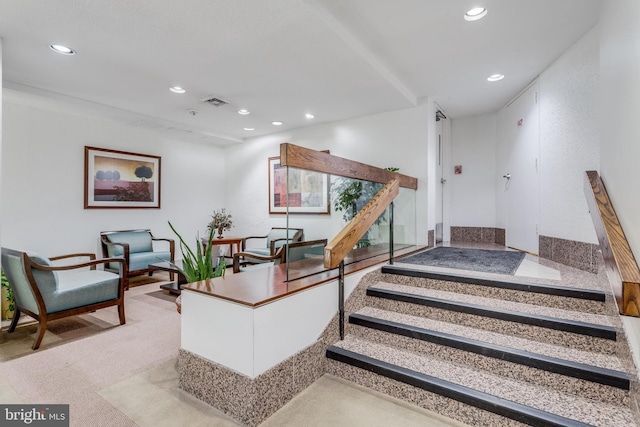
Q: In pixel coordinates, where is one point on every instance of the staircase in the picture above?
(488, 350)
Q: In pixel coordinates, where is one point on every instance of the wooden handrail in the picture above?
(344, 241)
(621, 266)
(319, 161)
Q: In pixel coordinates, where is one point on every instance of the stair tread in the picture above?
(605, 361)
(544, 399)
(499, 304)
(578, 279)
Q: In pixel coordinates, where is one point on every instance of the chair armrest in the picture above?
(125, 248)
(91, 263)
(272, 246)
(237, 255)
(172, 245)
(91, 257)
(244, 240)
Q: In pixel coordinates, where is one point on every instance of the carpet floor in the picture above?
(488, 261)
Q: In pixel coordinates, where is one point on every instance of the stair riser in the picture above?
(431, 401)
(516, 371)
(562, 338)
(553, 301)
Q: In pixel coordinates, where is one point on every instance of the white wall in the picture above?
(396, 138)
(43, 177)
(569, 139)
(620, 111)
(472, 193)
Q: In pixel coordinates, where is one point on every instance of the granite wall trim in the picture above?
(478, 235)
(431, 239)
(580, 255)
(250, 401)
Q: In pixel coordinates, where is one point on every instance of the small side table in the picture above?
(172, 287)
(231, 241)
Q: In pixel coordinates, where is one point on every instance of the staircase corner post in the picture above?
(341, 299)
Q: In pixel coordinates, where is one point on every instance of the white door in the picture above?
(521, 132)
(440, 181)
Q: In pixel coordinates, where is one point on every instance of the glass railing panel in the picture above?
(308, 211)
(321, 205)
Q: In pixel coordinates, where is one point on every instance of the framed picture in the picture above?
(118, 179)
(309, 192)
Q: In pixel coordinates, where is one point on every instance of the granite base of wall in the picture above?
(248, 400)
(431, 240)
(251, 401)
(478, 235)
(580, 255)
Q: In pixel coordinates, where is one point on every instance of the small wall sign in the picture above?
(457, 169)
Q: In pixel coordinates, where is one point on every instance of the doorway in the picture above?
(519, 132)
(442, 134)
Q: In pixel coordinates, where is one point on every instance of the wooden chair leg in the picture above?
(42, 328)
(14, 322)
(172, 276)
(121, 313)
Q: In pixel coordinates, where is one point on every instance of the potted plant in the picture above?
(220, 221)
(8, 299)
(198, 265)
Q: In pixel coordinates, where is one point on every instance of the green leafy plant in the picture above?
(9, 294)
(198, 265)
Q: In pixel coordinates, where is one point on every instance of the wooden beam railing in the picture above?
(304, 158)
(343, 243)
(620, 264)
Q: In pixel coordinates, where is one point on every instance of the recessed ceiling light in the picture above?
(475, 14)
(62, 49)
(244, 112)
(495, 77)
(177, 89)
(309, 116)
(249, 128)
(277, 123)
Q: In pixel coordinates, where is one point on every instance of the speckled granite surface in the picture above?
(499, 304)
(250, 401)
(607, 361)
(543, 398)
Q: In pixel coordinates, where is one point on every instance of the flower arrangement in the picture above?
(221, 221)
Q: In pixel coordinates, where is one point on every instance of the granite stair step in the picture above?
(586, 373)
(383, 367)
(511, 289)
(564, 320)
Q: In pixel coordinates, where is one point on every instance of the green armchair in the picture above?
(47, 292)
(136, 246)
(253, 253)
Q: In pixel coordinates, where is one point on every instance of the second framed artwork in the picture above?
(119, 179)
(308, 192)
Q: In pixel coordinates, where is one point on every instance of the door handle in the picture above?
(442, 180)
(508, 176)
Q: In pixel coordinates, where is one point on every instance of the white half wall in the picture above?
(43, 177)
(620, 112)
(472, 193)
(392, 139)
(569, 139)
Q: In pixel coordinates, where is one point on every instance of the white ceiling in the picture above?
(282, 58)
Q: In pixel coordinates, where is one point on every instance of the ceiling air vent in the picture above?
(216, 102)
